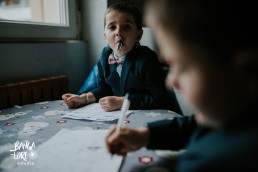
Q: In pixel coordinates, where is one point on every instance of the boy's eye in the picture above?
(112, 27)
(178, 68)
(182, 68)
(127, 26)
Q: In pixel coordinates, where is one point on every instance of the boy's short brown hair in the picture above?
(222, 27)
(128, 8)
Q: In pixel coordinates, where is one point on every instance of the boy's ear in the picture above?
(104, 33)
(140, 32)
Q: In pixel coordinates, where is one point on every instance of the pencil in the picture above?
(125, 107)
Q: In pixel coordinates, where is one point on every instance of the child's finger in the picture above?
(71, 99)
(105, 109)
(70, 104)
(108, 109)
(67, 95)
(118, 145)
(102, 103)
(102, 100)
(122, 152)
(67, 101)
(64, 96)
(111, 131)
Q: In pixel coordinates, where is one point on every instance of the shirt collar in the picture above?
(119, 58)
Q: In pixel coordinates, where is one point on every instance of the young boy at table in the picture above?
(126, 67)
(212, 50)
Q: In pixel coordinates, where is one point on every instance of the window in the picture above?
(37, 19)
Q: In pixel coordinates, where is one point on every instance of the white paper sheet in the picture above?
(74, 150)
(94, 112)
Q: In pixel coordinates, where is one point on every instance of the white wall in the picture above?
(93, 27)
(147, 39)
(26, 61)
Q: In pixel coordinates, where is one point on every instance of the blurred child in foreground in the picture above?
(212, 51)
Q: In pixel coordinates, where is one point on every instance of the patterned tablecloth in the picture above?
(39, 122)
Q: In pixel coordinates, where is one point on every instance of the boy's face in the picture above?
(121, 27)
(198, 79)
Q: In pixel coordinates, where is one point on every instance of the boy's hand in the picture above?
(126, 140)
(110, 103)
(73, 100)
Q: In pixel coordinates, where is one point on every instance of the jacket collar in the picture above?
(130, 58)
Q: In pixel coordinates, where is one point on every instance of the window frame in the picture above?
(40, 31)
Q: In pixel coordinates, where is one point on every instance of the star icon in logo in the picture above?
(32, 154)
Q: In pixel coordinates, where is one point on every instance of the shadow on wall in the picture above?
(26, 61)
